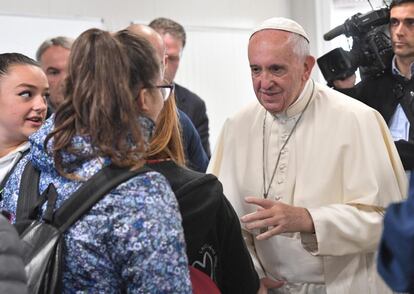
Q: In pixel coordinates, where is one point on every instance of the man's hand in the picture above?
(267, 283)
(281, 217)
(346, 83)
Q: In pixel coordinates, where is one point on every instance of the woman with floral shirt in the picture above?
(131, 241)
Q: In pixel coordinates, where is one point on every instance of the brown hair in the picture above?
(166, 141)
(99, 103)
(9, 59)
(399, 2)
(143, 60)
(167, 26)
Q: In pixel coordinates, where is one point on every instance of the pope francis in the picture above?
(309, 172)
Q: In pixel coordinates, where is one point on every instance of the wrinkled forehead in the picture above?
(269, 37)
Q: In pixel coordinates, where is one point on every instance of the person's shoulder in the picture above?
(346, 111)
(339, 101)
(179, 176)
(148, 185)
(148, 179)
(184, 119)
(373, 86)
(248, 111)
(199, 190)
(186, 93)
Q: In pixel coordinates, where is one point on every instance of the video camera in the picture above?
(371, 49)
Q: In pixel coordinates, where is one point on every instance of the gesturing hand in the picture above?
(267, 283)
(280, 217)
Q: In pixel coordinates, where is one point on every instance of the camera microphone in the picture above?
(335, 32)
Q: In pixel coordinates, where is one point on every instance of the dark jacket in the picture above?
(384, 93)
(12, 274)
(196, 110)
(194, 152)
(211, 229)
(396, 251)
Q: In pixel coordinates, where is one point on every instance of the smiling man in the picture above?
(309, 172)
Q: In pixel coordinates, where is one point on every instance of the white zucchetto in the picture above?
(283, 24)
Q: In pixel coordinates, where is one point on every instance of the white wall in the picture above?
(118, 13)
(15, 38)
(214, 63)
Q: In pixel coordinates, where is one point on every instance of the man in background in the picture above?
(392, 93)
(53, 56)
(175, 39)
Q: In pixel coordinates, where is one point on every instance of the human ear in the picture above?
(143, 101)
(308, 64)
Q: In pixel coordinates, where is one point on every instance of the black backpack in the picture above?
(42, 238)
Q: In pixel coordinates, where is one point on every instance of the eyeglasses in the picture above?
(166, 90)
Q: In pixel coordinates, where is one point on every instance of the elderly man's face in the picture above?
(54, 63)
(278, 74)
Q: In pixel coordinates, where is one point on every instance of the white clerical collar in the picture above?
(300, 103)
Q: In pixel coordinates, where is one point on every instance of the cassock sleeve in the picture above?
(372, 178)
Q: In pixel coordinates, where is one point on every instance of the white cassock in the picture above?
(340, 163)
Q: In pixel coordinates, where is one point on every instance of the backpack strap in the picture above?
(407, 106)
(28, 193)
(90, 193)
(7, 176)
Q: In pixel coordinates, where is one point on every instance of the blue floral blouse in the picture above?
(131, 241)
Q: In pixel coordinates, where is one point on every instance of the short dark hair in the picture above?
(399, 2)
(61, 41)
(167, 26)
(9, 59)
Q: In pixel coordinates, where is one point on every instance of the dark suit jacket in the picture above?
(384, 93)
(195, 108)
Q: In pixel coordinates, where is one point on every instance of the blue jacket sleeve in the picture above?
(194, 151)
(396, 252)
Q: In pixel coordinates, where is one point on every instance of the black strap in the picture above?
(78, 203)
(407, 104)
(91, 192)
(7, 176)
(51, 195)
(28, 193)
(403, 92)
